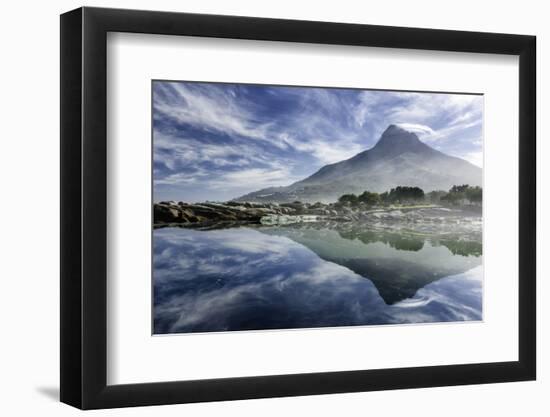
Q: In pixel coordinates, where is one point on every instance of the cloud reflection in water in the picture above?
(243, 279)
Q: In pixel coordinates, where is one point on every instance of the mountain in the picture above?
(398, 158)
(398, 265)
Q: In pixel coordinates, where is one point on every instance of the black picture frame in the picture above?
(84, 207)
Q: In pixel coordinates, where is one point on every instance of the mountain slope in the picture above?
(398, 158)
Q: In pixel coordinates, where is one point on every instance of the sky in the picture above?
(215, 141)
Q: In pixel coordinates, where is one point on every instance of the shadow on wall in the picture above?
(50, 392)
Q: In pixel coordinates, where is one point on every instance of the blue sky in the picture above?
(219, 141)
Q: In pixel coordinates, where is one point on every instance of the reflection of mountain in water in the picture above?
(394, 240)
(396, 263)
(257, 278)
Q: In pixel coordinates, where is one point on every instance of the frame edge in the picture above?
(527, 273)
(70, 208)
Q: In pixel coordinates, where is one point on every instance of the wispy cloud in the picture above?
(422, 130)
(218, 141)
(206, 107)
(241, 181)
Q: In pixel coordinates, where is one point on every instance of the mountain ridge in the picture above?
(398, 158)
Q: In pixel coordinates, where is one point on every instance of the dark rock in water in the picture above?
(164, 213)
(233, 203)
(297, 207)
(209, 214)
(169, 212)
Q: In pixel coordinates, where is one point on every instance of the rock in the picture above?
(233, 204)
(215, 215)
(284, 219)
(167, 214)
(339, 218)
(210, 212)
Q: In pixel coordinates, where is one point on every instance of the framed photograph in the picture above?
(258, 208)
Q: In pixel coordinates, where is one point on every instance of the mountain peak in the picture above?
(393, 129)
(396, 140)
(395, 132)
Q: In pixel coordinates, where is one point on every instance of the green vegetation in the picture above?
(350, 199)
(457, 195)
(405, 194)
(434, 197)
(463, 247)
(460, 194)
(368, 198)
(414, 242)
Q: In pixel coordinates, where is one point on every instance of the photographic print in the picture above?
(292, 207)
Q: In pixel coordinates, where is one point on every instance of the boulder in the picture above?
(167, 214)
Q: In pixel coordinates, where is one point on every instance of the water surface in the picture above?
(311, 276)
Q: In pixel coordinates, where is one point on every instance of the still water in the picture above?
(311, 276)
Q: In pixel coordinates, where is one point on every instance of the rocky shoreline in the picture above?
(233, 214)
